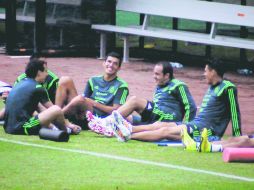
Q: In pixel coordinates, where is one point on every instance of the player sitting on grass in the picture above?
(219, 106)
(172, 102)
(24, 99)
(102, 94)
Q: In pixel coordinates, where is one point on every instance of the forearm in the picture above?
(105, 108)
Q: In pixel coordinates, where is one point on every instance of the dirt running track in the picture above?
(140, 78)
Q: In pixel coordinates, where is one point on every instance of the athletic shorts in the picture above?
(251, 136)
(32, 126)
(196, 133)
(147, 116)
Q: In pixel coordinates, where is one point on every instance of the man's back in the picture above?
(218, 107)
(22, 102)
(50, 83)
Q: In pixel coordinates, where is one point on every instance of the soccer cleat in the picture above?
(119, 120)
(205, 145)
(99, 125)
(89, 116)
(188, 142)
(121, 127)
(121, 132)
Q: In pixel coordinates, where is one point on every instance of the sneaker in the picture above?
(121, 132)
(99, 125)
(100, 129)
(121, 127)
(119, 120)
(205, 145)
(89, 116)
(188, 143)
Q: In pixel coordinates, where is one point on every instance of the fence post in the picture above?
(10, 25)
(174, 42)
(208, 49)
(243, 34)
(39, 27)
(141, 39)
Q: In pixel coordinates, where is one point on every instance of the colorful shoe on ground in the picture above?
(188, 142)
(205, 145)
(90, 116)
(99, 125)
(121, 127)
(122, 134)
(119, 120)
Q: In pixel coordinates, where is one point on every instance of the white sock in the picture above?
(69, 130)
(216, 148)
(54, 128)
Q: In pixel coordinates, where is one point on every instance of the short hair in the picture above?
(33, 67)
(167, 68)
(34, 56)
(217, 65)
(116, 55)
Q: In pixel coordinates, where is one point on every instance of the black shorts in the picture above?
(147, 116)
(32, 126)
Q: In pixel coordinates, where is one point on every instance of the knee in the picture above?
(79, 99)
(133, 100)
(65, 81)
(56, 109)
(164, 132)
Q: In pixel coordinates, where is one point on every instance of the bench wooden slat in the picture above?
(64, 2)
(178, 35)
(215, 13)
(192, 9)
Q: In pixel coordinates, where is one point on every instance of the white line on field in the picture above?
(101, 155)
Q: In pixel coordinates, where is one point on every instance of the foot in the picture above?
(187, 141)
(205, 145)
(121, 127)
(119, 120)
(74, 129)
(99, 125)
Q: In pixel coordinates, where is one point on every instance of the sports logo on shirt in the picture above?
(112, 89)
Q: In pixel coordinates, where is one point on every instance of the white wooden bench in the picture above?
(215, 13)
(53, 18)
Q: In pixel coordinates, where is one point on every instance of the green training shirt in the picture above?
(106, 92)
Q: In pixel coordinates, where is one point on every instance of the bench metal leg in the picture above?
(61, 37)
(126, 46)
(103, 44)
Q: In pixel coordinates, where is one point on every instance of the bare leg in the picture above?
(151, 127)
(66, 91)
(159, 134)
(53, 114)
(133, 104)
(77, 107)
(237, 142)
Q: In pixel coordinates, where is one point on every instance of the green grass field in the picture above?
(75, 165)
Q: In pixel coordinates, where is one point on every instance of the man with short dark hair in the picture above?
(172, 102)
(102, 94)
(24, 99)
(219, 106)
